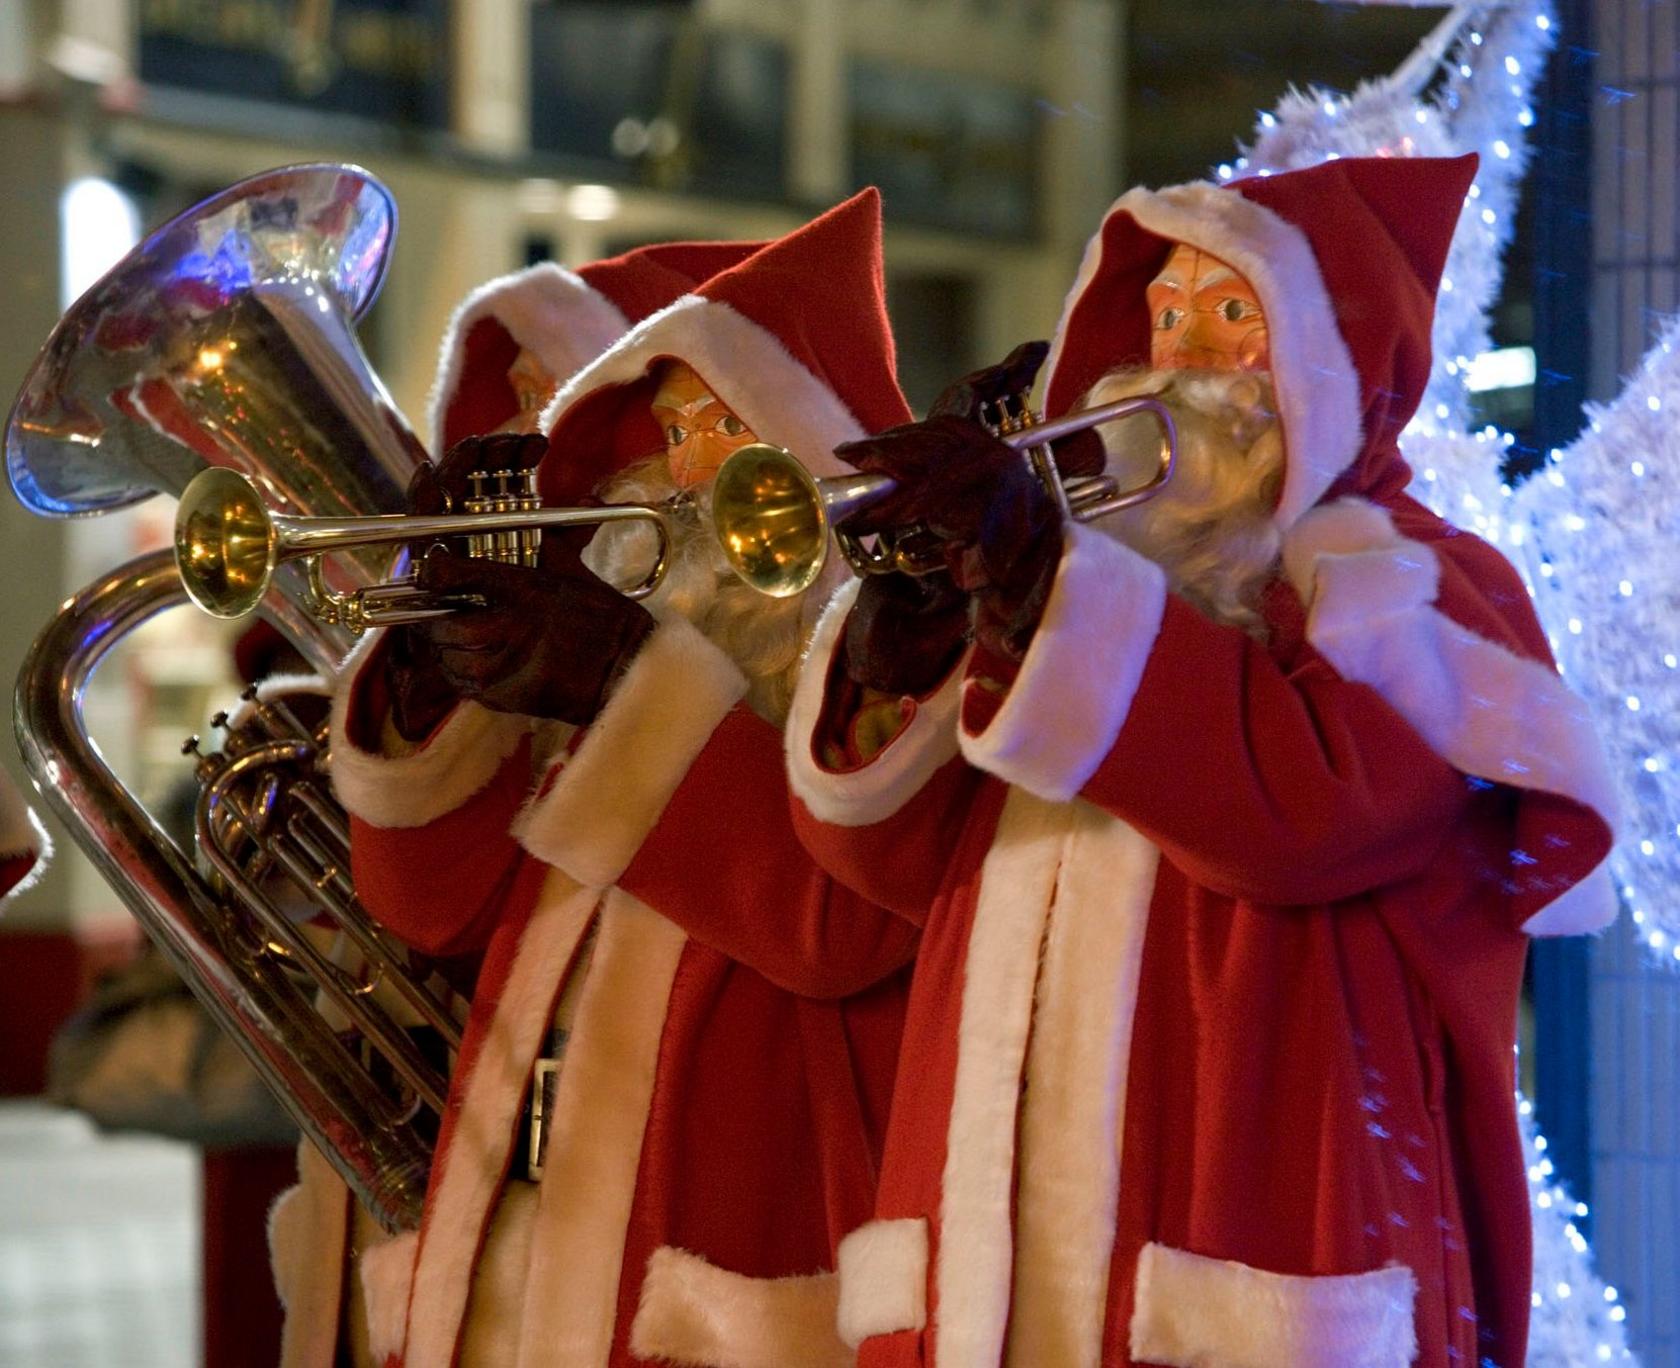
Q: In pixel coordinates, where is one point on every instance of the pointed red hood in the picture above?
(1345, 257)
(567, 318)
(794, 339)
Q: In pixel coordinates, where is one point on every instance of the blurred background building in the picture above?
(512, 131)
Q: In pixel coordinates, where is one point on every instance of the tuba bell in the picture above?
(226, 342)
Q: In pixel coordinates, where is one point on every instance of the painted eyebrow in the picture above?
(1224, 275)
(1167, 278)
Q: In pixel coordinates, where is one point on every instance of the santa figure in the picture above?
(589, 793)
(1227, 830)
(507, 348)
(23, 843)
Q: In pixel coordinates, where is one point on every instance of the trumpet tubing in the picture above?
(773, 518)
(228, 545)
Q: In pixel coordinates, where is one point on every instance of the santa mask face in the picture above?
(533, 385)
(1204, 316)
(700, 430)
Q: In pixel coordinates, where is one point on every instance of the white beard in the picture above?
(762, 635)
(1212, 527)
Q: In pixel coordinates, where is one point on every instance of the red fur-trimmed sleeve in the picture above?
(441, 887)
(886, 827)
(431, 850)
(1277, 786)
(725, 864)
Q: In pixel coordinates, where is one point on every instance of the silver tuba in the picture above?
(226, 339)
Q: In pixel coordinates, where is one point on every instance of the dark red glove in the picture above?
(421, 692)
(1000, 527)
(905, 631)
(551, 641)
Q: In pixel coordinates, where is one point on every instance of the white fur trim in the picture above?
(693, 1312)
(973, 1271)
(467, 1176)
(747, 367)
(874, 791)
(883, 1279)
(18, 833)
(595, 1146)
(1074, 1108)
(308, 1243)
(1065, 708)
(411, 790)
(1370, 597)
(1317, 385)
(547, 310)
(37, 844)
(610, 794)
(387, 1274)
(1195, 1312)
(489, 1339)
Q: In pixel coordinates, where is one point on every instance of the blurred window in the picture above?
(945, 150)
(382, 60)
(659, 97)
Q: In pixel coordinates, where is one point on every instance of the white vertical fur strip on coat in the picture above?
(387, 1274)
(595, 1146)
(308, 1244)
(468, 1175)
(1196, 1312)
(976, 1211)
(1074, 1110)
(1370, 596)
(693, 1312)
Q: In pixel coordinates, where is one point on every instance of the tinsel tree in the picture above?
(1468, 88)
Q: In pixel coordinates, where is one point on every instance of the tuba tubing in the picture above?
(250, 995)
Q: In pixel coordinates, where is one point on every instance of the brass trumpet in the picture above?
(773, 518)
(228, 545)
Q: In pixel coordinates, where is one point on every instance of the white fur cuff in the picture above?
(411, 790)
(1192, 1312)
(1065, 709)
(883, 1279)
(610, 794)
(693, 1312)
(874, 791)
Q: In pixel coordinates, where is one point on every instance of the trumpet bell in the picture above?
(225, 543)
(769, 517)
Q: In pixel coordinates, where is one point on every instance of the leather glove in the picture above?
(550, 641)
(905, 631)
(1000, 527)
(421, 693)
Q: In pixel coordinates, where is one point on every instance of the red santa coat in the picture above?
(565, 319)
(722, 1095)
(1212, 1023)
